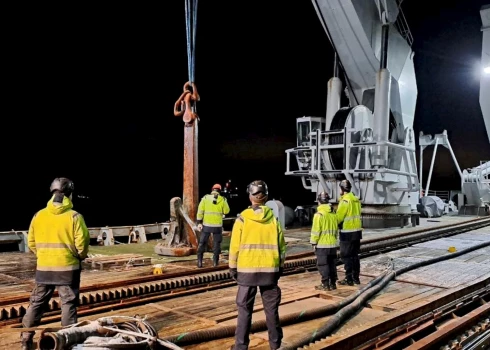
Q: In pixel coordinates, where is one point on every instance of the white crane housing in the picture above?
(370, 142)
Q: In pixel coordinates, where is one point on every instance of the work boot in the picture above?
(357, 281)
(332, 285)
(26, 344)
(215, 261)
(199, 260)
(322, 287)
(346, 282)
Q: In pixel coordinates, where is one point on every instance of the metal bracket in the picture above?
(182, 237)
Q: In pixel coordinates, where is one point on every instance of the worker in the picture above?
(325, 240)
(212, 208)
(349, 220)
(256, 260)
(60, 240)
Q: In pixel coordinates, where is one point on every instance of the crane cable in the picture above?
(190, 27)
(185, 106)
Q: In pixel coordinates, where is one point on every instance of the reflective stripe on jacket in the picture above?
(349, 217)
(60, 239)
(324, 231)
(257, 247)
(210, 214)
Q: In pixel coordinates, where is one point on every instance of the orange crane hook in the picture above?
(185, 103)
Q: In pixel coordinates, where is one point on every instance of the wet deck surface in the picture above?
(417, 287)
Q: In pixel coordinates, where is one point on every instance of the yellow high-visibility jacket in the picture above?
(60, 239)
(349, 217)
(257, 247)
(210, 214)
(324, 231)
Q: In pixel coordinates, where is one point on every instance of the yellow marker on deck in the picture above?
(451, 249)
(158, 269)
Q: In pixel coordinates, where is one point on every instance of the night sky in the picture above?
(90, 93)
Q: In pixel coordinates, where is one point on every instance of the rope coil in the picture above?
(117, 332)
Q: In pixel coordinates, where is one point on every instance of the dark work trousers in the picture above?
(245, 298)
(349, 252)
(203, 242)
(39, 302)
(325, 261)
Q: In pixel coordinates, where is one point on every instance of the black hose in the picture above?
(305, 315)
(343, 314)
(340, 316)
(259, 326)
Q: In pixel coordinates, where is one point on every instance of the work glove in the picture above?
(314, 246)
(233, 274)
(199, 227)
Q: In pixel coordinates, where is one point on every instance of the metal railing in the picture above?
(487, 176)
(315, 154)
(444, 195)
(401, 25)
(104, 234)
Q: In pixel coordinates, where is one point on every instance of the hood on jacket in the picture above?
(219, 198)
(324, 208)
(59, 208)
(258, 214)
(350, 197)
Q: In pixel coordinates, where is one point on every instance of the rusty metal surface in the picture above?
(354, 333)
(183, 240)
(5, 299)
(190, 196)
(395, 320)
(459, 275)
(443, 334)
(476, 337)
(139, 292)
(185, 106)
(174, 251)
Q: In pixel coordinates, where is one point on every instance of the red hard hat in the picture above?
(216, 187)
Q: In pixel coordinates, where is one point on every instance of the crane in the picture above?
(371, 141)
(476, 181)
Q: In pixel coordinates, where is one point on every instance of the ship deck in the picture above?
(416, 292)
(17, 268)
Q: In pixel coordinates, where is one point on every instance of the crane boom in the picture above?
(354, 28)
(370, 142)
(485, 60)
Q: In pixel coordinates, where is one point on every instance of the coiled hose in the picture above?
(78, 334)
(343, 314)
(260, 325)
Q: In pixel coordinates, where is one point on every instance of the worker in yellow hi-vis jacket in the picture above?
(210, 214)
(256, 260)
(349, 219)
(60, 239)
(325, 240)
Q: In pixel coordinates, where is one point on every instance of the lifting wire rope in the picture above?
(190, 28)
(186, 104)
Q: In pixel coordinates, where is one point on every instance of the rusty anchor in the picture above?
(182, 239)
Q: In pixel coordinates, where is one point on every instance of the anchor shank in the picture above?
(191, 179)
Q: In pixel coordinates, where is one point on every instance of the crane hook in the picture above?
(185, 104)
